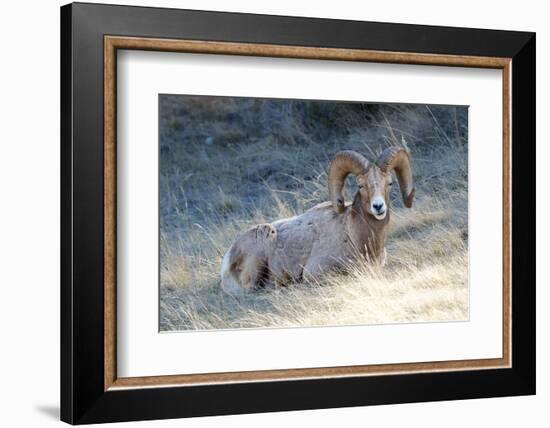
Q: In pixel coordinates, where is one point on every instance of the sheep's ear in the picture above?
(398, 159)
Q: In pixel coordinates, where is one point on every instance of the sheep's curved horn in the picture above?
(343, 163)
(398, 159)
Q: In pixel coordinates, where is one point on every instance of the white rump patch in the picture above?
(228, 282)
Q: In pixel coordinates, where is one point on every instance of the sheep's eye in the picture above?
(390, 183)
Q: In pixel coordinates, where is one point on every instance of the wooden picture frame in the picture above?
(91, 390)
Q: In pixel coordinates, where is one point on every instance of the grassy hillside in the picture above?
(227, 164)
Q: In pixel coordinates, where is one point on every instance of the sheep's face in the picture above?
(374, 187)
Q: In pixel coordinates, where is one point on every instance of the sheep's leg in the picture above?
(254, 268)
(252, 272)
(244, 267)
(240, 274)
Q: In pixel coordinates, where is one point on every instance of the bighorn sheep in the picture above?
(328, 236)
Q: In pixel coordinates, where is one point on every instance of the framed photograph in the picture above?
(266, 213)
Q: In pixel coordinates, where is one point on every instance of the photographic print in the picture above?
(279, 213)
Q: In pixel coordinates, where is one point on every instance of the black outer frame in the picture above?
(83, 399)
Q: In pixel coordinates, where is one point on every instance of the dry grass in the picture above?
(221, 173)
